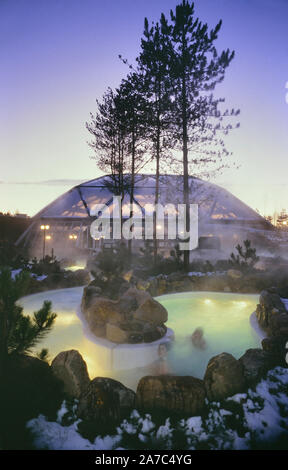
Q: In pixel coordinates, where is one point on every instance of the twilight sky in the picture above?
(58, 56)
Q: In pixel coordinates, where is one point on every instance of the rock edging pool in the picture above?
(224, 318)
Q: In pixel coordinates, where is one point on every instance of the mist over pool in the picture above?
(225, 319)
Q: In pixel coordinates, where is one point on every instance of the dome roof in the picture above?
(215, 203)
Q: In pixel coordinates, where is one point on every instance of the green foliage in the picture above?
(43, 355)
(11, 257)
(111, 261)
(177, 254)
(12, 289)
(145, 260)
(48, 265)
(27, 385)
(201, 266)
(28, 331)
(246, 257)
(20, 333)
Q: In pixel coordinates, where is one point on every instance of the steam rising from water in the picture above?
(224, 319)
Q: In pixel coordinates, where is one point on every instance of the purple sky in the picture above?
(58, 56)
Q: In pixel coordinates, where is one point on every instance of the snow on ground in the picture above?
(39, 278)
(15, 272)
(247, 420)
(285, 302)
(209, 273)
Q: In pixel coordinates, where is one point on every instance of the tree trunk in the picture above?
(132, 189)
(185, 167)
(155, 241)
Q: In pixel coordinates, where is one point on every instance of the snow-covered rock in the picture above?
(257, 418)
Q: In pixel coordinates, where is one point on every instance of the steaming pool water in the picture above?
(225, 318)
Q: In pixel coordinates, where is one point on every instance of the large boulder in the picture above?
(256, 364)
(276, 345)
(138, 295)
(142, 285)
(171, 394)
(135, 317)
(128, 303)
(29, 389)
(104, 310)
(270, 299)
(81, 277)
(71, 369)
(152, 333)
(151, 311)
(116, 334)
(278, 323)
(224, 377)
(270, 305)
(100, 312)
(105, 400)
(89, 294)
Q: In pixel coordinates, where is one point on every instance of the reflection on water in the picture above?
(75, 267)
(224, 319)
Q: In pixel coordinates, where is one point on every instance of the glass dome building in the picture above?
(64, 224)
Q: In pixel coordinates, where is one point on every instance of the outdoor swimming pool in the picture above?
(224, 317)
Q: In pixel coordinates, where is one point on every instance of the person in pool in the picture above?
(162, 363)
(198, 340)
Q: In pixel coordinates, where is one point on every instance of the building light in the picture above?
(48, 237)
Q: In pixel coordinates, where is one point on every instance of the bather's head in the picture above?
(198, 333)
(162, 350)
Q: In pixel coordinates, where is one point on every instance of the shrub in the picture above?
(246, 257)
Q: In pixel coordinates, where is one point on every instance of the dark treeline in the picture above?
(11, 227)
(165, 104)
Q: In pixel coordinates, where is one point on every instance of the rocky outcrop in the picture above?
(270, 311)
(273, 318)
(278, 323)
(276, 345)
(134, 318)
(29, 389)
(103, 310)
(224, 377)
(105, 400)
(173, 394)
(89, 294)
(256, 364)
(152, 312)
(232, 280)
(116, 334)
(71, 369)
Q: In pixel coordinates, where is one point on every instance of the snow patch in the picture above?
(260, 417)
